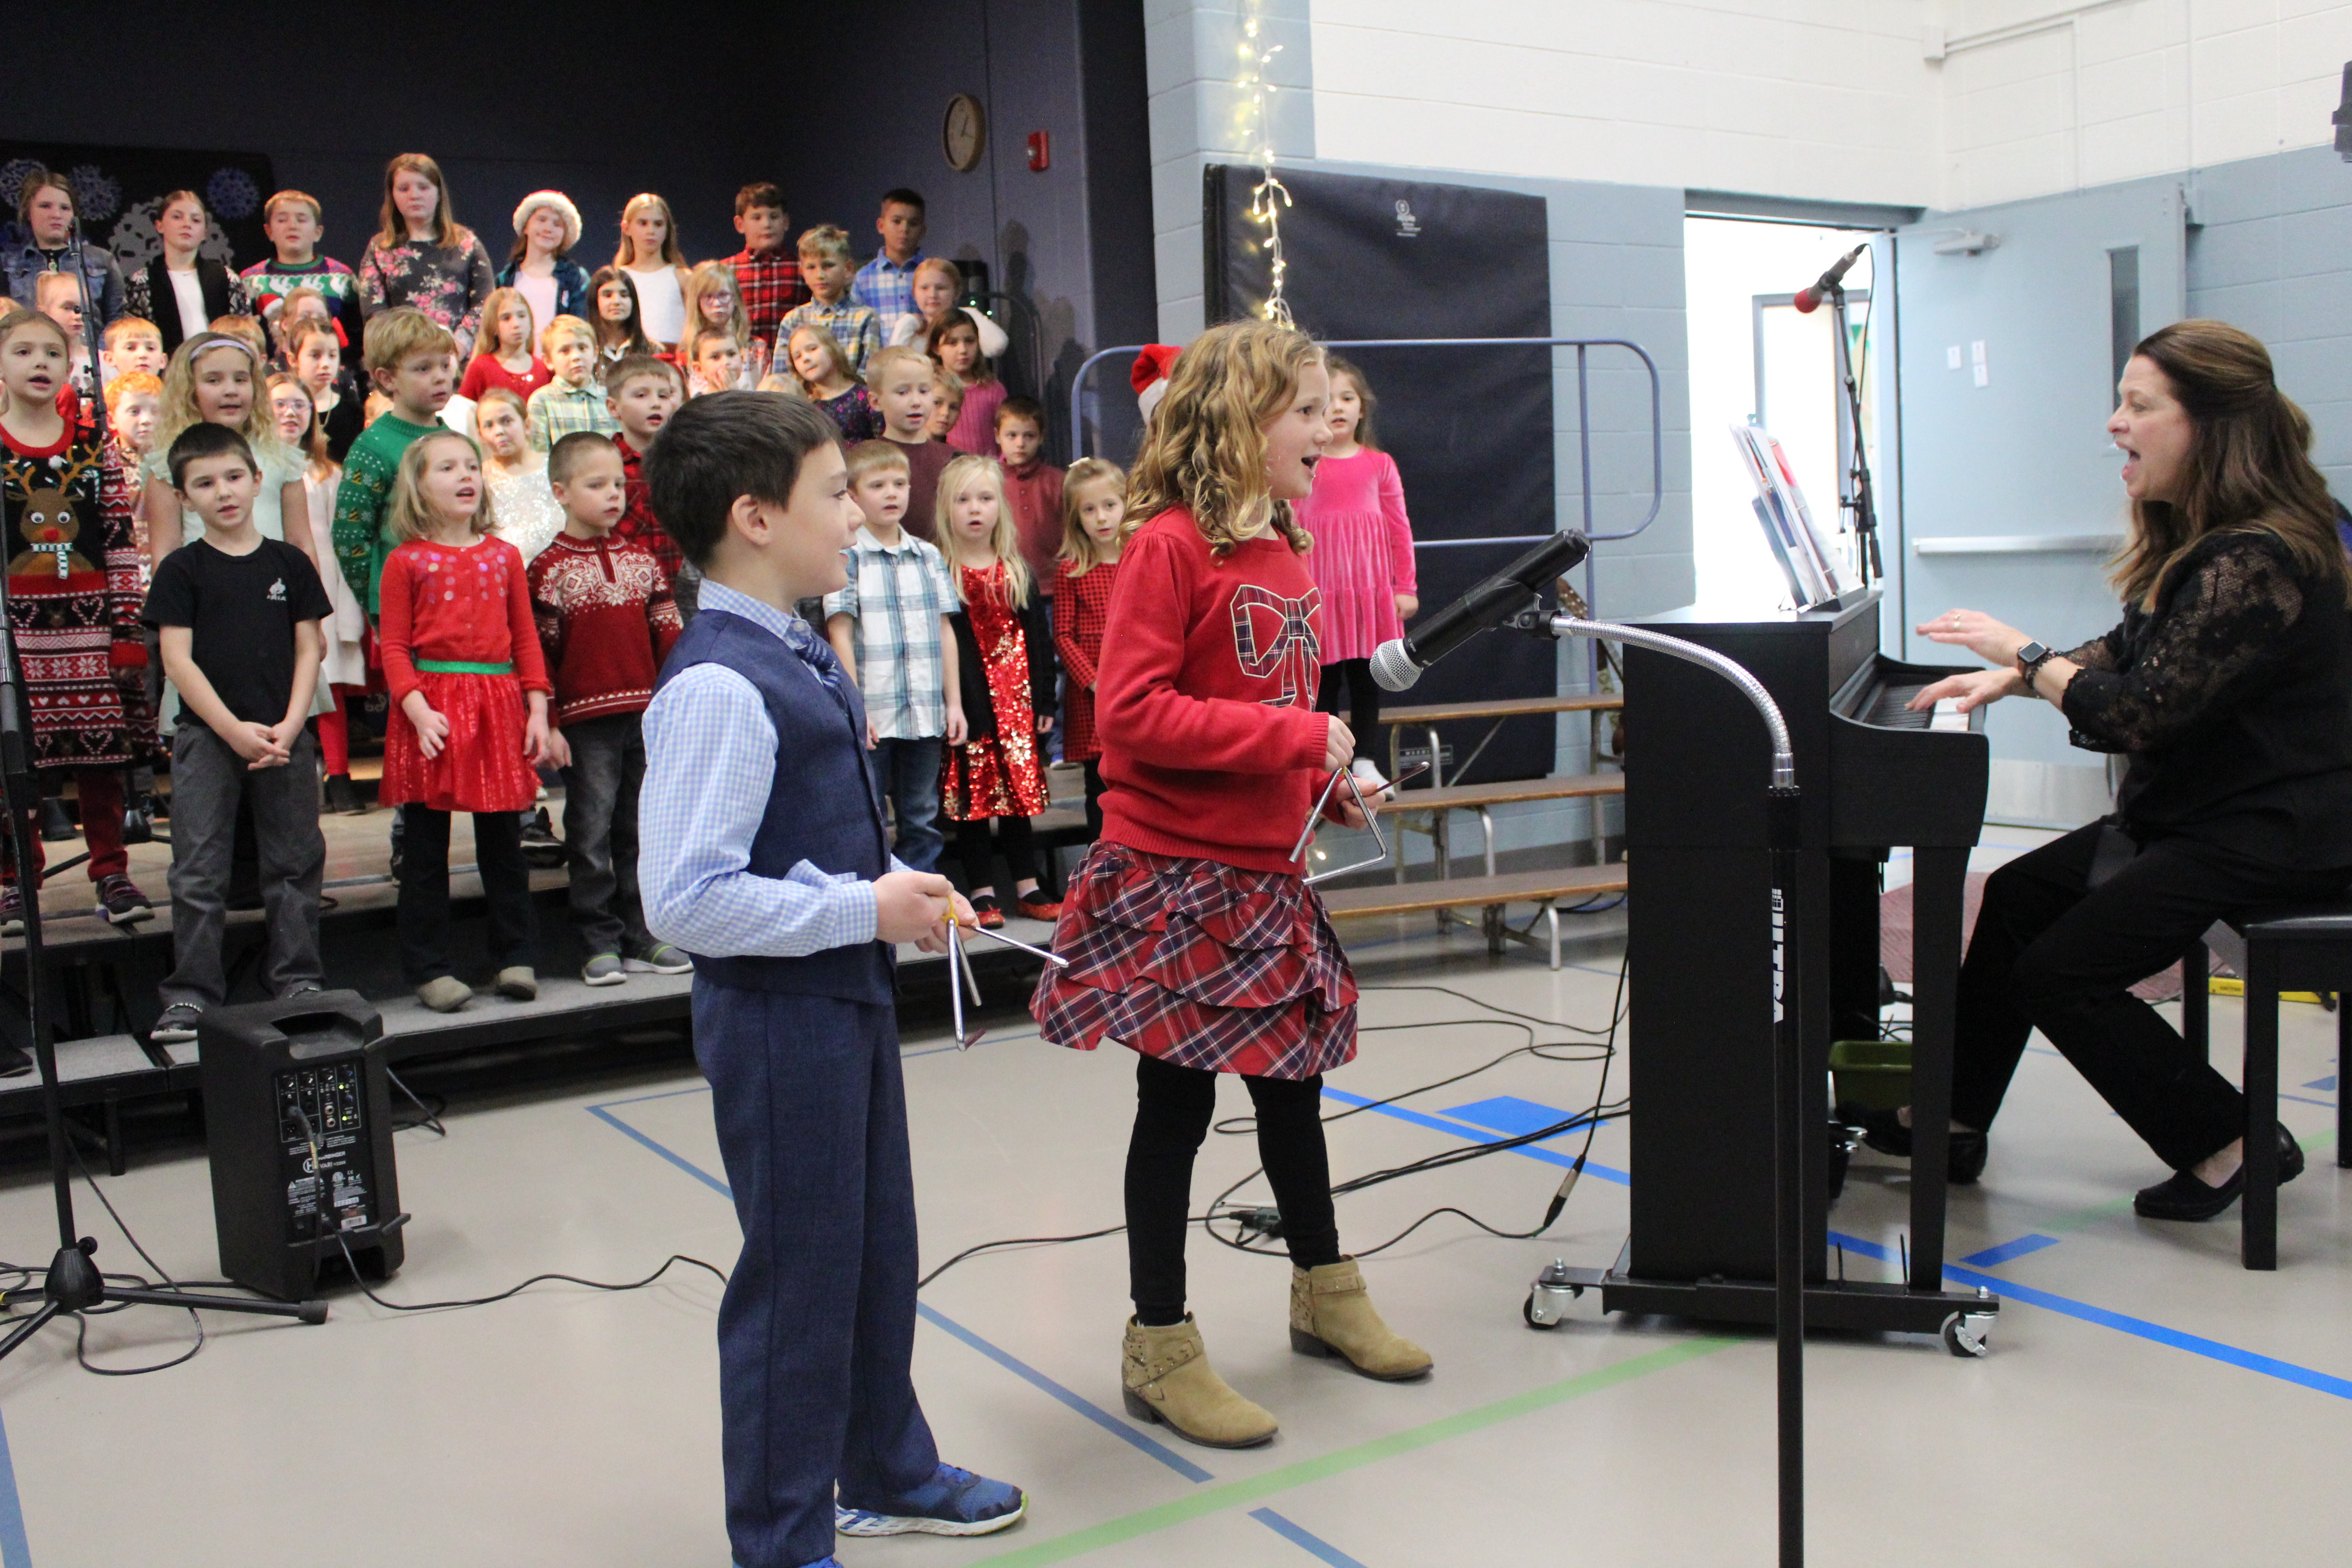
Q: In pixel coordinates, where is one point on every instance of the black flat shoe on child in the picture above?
(2183, 1196)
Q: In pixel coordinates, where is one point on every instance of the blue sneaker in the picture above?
(952, 1502)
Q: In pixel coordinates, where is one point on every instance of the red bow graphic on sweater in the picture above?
(1272, 633)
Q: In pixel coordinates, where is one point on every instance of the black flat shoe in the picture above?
(2183, 1196)
(1964, 1158)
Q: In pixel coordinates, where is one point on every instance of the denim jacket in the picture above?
(22, 263)
(571, 286)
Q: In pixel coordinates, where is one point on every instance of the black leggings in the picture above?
(1173, 1107)
(977, 847)
(1363, 699)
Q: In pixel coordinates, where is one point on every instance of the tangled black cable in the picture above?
(1604, 1051)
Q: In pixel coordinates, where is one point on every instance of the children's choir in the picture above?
(454, 451)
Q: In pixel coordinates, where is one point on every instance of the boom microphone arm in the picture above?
(1398, 663)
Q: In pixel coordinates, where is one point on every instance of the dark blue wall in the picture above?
(834, 103)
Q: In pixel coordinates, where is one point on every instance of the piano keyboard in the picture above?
(1889, 710)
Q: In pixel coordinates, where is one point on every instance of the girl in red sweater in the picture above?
(469, 727)
(1094, 526)
(1191, 939)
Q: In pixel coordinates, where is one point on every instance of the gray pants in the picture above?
(207, 781)
(600, 832)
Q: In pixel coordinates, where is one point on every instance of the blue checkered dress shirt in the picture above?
(887, 288)
(711, 762)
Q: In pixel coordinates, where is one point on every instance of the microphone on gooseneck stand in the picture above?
(1398, 663)
(1810, 300)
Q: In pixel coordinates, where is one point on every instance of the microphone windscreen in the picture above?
(1807, 301)
(1392, 666)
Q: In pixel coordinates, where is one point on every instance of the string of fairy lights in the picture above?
(1268, 197)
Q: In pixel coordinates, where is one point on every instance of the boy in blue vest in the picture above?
(763, 856)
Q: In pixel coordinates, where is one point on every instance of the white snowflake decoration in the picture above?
(13, 175)
(232, 193)
(98, 195)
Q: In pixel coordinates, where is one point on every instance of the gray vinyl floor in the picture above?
(2146, 1401)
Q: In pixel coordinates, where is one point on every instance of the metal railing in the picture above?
(1583, 347)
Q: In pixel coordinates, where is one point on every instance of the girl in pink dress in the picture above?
(1362, 559)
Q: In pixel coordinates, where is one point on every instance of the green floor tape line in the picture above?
(1237, 1494)
(2114, 1209)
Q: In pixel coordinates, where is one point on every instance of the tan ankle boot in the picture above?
(1331, 1315)
(1169, 1379)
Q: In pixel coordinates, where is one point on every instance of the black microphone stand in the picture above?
(72, 1282)
(1858, 498)
(1782, 837)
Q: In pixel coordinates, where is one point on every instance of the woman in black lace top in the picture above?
(2228, 686)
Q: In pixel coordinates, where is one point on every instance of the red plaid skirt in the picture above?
(1199, 963)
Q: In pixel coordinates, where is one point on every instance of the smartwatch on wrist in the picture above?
(2031, 659)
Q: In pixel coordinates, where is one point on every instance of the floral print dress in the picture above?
(448, 282)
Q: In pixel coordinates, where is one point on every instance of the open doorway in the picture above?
(1753, 356)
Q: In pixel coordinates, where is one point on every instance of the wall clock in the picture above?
(964, 132)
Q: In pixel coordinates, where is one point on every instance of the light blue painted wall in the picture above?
(2270, 249)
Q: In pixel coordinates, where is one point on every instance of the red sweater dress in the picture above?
(1190, 935)
(465, 605)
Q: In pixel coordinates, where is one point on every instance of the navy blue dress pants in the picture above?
(817, 1333)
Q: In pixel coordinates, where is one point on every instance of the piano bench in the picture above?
(2300, 947)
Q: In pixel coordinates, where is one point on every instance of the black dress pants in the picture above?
(1363, 699)
(977, 846)
(421, 918)
(1173, 1107)
(2054, 953)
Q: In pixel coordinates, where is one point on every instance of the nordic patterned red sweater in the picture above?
(1205, 699)
(605, 622)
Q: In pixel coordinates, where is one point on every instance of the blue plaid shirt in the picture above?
(711, 762)
(853, 326)
(897, 596)
(885, 287)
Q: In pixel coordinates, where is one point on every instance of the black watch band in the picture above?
(2031, 659)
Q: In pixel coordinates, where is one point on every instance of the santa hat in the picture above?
(1152, 368)
(561, 203)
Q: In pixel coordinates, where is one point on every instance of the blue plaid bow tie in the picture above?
(818, 655)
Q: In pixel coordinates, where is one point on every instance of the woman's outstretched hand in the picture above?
(1976, 632)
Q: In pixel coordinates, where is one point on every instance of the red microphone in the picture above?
(1808, 301)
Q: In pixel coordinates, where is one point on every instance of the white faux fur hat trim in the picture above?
(561, 203)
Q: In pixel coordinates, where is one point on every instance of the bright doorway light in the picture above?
(1752, 356)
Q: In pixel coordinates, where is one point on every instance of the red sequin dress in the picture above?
(451, 605)
(996, 773)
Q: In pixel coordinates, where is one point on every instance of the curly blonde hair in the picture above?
(1204, 450)
(178, 404)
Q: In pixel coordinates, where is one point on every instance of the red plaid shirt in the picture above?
(771, 284)
(637, 519)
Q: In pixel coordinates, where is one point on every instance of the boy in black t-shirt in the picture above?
(238, 616)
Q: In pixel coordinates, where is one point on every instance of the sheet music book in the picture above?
(1806, 560)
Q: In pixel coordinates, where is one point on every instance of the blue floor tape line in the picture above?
(13, 1552)
(1012, 1364)
(2195, 1344)
(2006, 1250)
(1314, 1544)
(680, 1160)
(1478, 1135)
(1092, 1412)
